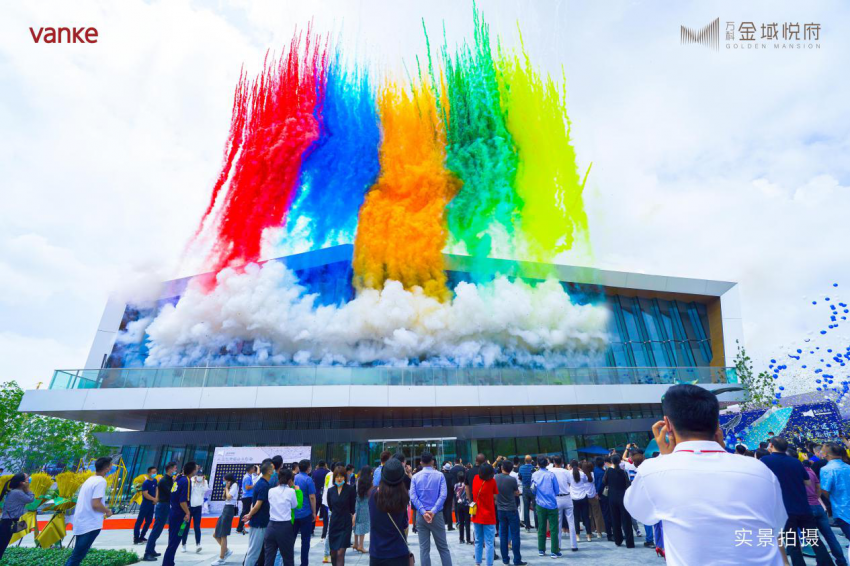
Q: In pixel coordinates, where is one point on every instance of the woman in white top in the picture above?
(580, 489)
(197, 489)
(225, 521)
(280, 534)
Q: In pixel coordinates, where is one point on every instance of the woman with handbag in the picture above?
(16, 496)
(388, 518)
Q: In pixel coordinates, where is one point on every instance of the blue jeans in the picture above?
(160, 513)
(485, 536)
(81, 547)
(143, 522)
(828, 535)
(647, 529)
(304, 527)
(509, 529)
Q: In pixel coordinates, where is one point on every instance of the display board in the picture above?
(234, 459)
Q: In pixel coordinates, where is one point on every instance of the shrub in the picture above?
(27, 556)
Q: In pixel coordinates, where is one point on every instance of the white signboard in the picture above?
(234, 460)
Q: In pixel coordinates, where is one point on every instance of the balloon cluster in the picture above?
(823, 363)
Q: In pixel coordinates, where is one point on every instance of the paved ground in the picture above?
(595, 552)
(599, 551)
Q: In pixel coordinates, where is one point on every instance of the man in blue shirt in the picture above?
(258, 516)
(428, 495)
(524, 473)
(247, 495)
(544, 484)
(319, 481)
(385, 455)
(793, 480)
(179, 513)
(306, 516)
(835, 483)
(145, 518)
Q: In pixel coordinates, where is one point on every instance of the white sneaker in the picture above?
(198, 549)
(182, 548)
(218, 562)
(227, 555)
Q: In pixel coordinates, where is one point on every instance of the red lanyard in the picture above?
(703, 451)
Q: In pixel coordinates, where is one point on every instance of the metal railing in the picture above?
(251, 376)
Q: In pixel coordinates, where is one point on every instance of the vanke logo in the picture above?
(708, 36)
(64, 35)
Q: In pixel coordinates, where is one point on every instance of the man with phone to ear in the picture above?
(715, 506)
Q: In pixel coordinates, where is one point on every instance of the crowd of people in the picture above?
(695, 503)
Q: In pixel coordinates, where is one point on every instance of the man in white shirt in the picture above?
(90, 511)
(565, 502)
(715, 508)
(280, 536)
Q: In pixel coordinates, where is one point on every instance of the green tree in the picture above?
(759, 388)
(30, 441)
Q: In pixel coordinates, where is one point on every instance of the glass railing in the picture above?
(116, 378)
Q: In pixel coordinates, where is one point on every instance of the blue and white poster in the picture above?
(816, 421)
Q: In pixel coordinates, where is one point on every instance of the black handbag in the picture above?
(18, 526)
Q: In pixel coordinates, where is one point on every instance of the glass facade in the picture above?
(385, 418)
(652, 332)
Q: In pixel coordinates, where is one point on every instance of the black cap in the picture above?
(393, 472)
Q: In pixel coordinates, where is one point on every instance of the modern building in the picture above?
(664, 330)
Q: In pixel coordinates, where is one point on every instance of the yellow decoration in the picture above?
(53, 532)
(40, 483)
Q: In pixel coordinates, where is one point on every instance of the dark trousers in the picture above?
(246, 506)
(160, 513)
(606, 514)
(304, 527)
(174, 522)
(447, 513)
(581, 512)
(280, 537)
(323, 513)
(796, 525)
(509, 527)
(144, 520)
(527, 501)
(621, 523)
(6, 534)
(81, 547)
(195, 512)
(464, 522)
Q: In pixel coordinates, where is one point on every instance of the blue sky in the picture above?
(719, 165)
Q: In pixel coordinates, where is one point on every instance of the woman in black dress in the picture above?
(617, 482)
(342, 501)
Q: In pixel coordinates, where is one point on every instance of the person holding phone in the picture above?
(16, 496)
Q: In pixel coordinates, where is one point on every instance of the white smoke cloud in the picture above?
(487, 324)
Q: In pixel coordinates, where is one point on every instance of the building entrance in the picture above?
(412, 448)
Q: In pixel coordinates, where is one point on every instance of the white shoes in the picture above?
(182, 548)
(198, 549)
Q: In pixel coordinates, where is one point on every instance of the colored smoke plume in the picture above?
(547, 179)
(401, 232)
(342, 163)
(271, 130)
(498, 323)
